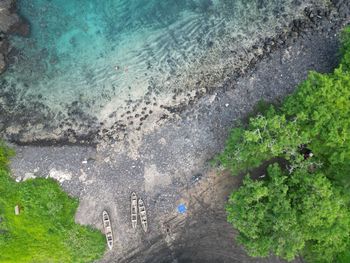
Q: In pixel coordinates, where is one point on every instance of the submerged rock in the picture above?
(10, 23)
(2, 63)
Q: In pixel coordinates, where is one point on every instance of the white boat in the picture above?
(143, 215)
(108, 229)
(133, 210)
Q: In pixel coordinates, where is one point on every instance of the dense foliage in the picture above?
(302, 206)
(345, 39)
(285, 215)
(45, 230)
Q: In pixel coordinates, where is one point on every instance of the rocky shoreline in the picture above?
(170, 165)
(10, 23)
(35, 123)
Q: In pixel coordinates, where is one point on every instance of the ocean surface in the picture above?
(97, 57)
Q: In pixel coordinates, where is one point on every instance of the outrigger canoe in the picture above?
(108, 229)
(143, 216)
(133, 210)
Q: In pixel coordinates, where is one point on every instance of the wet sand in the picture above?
(169, 165)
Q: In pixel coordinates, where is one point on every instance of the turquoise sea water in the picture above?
(99, 55)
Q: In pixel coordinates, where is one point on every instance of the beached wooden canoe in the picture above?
(143, 215)
(133, 210)
(108, 229)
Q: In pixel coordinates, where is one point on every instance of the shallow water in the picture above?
(98, 55)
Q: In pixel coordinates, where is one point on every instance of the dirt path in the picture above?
(169, 166)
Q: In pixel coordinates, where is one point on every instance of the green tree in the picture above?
(302, 208)
(288, 215)
(267, 136)
(321, 106)
(345, 48)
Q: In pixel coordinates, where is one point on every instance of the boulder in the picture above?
(10, 23)
(2, 63)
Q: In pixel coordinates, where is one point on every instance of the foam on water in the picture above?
(100, 54)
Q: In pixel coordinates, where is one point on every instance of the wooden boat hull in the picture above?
(107, 229)
(133, 210)
(143, 215)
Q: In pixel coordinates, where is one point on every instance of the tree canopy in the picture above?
(286, 215)
(302, 205)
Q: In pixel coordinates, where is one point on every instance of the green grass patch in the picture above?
(45, 230)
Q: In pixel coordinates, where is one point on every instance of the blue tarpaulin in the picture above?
(181, 208)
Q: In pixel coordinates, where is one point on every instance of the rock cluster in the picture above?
(10, 23)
